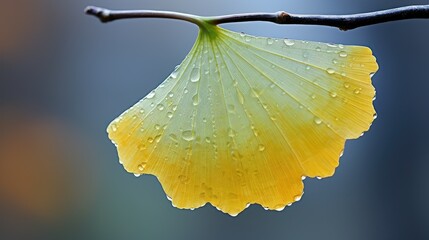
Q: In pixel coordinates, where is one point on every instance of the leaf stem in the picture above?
(343, 22)
(106, 15)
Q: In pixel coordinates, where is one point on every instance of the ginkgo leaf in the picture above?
(244, 119)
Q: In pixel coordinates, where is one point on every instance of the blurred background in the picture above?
(64, 76)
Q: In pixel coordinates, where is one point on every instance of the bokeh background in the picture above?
(64, 76)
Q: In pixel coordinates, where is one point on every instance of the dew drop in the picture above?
(318, 49)
(255, 131)
(330, 71)
(114, 127)
(150, 140)
(185, 90)
(297, 198)
(317, 120)
(307, 67)
(357, 91)
(270, 41)
(170, 94)
(195, 100)
(195, 75)
(346, 85)
(208, 140)
(141, 166)
(265, 105)
(313, 96)
(342, 54)
(289, 42)
(247, 38)
(261, 147)
(334, 61)
(169, 114)
(136, 175)
(333, 94)
(279, 207)
(157, 126)
(188, 135)
(160, 107)
(175, 73)
(303, 178)
(151, 95)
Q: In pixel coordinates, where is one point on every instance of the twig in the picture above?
(343, 22)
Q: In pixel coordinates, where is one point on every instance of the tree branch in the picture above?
(343, 22)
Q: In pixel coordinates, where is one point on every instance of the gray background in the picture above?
(64, 76)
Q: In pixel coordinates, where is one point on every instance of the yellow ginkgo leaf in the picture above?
(244, 119)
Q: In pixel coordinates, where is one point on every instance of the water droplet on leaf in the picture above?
(141, 166)
(289, 42)
(195, 75)
(317, 120)
(330, 71)
(160, 107)
(195, 100)
(188, 135)
(151, 95)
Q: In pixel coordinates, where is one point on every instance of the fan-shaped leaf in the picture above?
(243, 119)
